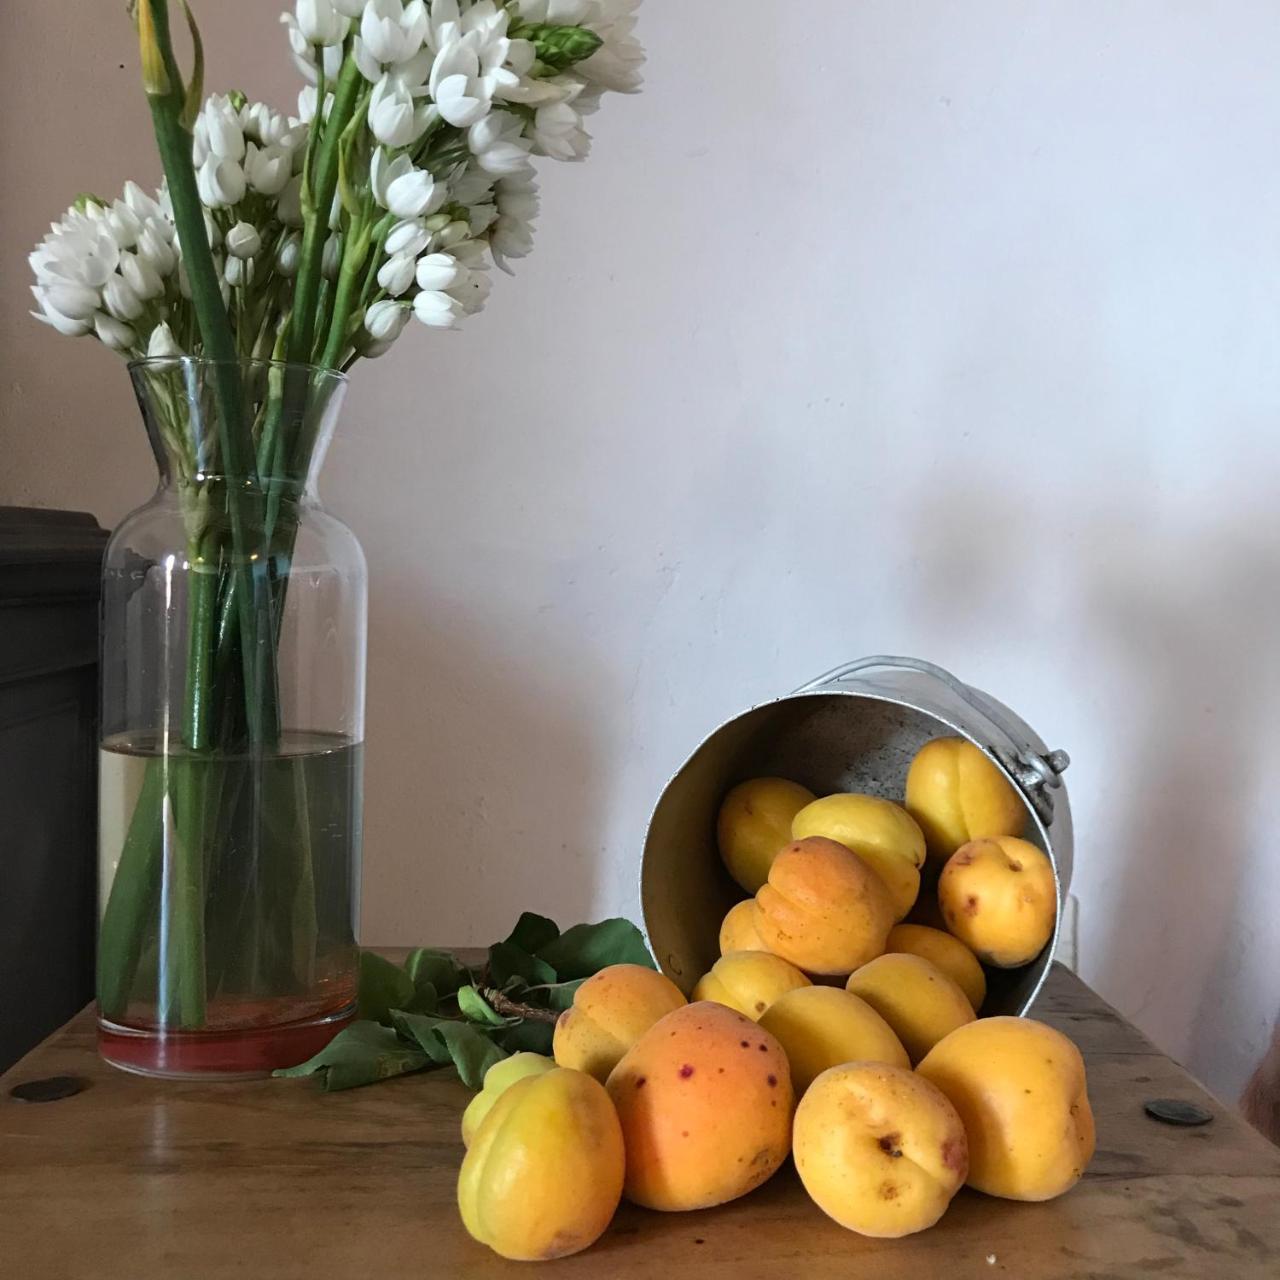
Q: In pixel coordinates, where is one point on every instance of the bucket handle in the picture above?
(1033, 772)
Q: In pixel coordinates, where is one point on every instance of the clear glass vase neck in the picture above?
(257, 425)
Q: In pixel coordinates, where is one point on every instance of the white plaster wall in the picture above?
(912, 326)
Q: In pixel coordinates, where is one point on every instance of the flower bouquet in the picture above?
(279, 250)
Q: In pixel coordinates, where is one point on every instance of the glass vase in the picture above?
(233, 671)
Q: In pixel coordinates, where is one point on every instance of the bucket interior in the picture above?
(827, 742)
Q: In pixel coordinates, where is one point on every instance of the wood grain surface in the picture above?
(274, 1180)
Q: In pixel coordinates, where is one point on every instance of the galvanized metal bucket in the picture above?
(856, 728)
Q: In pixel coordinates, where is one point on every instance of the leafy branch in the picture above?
(436, 1011)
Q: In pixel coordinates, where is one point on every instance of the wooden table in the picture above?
(139, 1180)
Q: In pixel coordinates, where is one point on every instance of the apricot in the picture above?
(879, 1149)
(748, 981)
(754, 823)
(1020, 1089)
(823, 908)
(914, 997)
(821, 1027)
(705, 1103)
(999, 897)
(610, 1012)
(544, 1172)
(497, 1080)
(739, 932)
(957, 794)
(945, 952)
(881, 833)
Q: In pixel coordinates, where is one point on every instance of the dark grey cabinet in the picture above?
(49, 576)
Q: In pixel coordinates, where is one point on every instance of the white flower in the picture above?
(616, 64)
(439, 271)
(265, 126)
(390, 32)
(113, 333)
(402, 189)
(349, 8)
(218, 132)
(243, 240)
(86, 256)
(304, 53)
(267, 169)
(456, 85)
(320, 23)
(289, 255)
(497, 144)
(512, 232)
(156, 249)
(473, 292)
(437, 310)
(161, 344)
(384, 321)
(141, 276)
(408, 237)
(50, 315)
(393, 118)
(451, 233)
(558, 13)
(124, 225)
(396, 274)
(289, 202)
(220, 182)
(120, 300)
(331, 260)
(142, 204)
(558, 132)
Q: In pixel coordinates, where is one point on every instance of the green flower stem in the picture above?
(317, 197)
(347, 295)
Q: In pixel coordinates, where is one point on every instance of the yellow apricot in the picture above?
(879, 1149)
(738, 932)
(705, 1103)
(821, 1027)
(957, 794)
(610, 1012)
(544, 1172)
(754, 823)
(914, 997)
(1000, 898)
(1020, 1089)
(945, 951)
(497, 1080)
(748, 981)
(823, 909)
(881, 833)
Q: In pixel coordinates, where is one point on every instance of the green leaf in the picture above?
(587, 948)
(532, 932)
(471, 1004)
(557, 995)
(443, 1040)
(507, 961)
(441, 970)
(558, 46)
(362, 1053)
(383, 986)
(528, 1035)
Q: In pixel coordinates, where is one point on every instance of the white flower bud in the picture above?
(403, 190)
(438, 271)
(75, 301)
(239, 271)
(220, 182)
(113, 333)
(437, 222)
(396, 274)
(125, 225)
(222, 125)
(161, 344)
(394, 119)
(289, 255)
(243, 241)
(156, 250)
(268, 169)
(391, 31)
(452, 233)
(319, 23)
(50, 315)
(384, 321)
(349, 8)
(120, 300)
(331, 261)
(141, 276)
(473, 292)
(437, 310)
(142, 204)
(409, 237)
